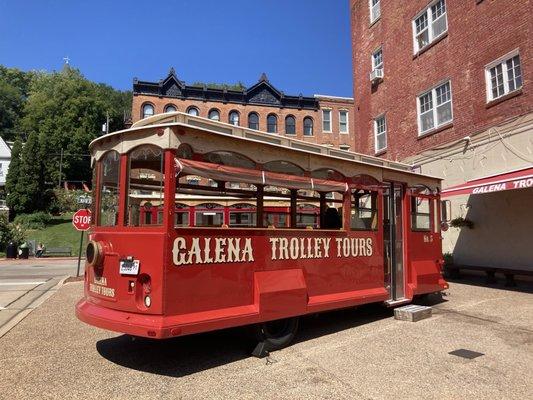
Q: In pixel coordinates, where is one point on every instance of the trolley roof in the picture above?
(169, 130)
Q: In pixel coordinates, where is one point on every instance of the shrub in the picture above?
(10, 232)
(37, 220)
(460, 222)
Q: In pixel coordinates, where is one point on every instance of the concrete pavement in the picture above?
(25, 284)
(350, 354)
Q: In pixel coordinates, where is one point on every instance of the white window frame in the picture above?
(347, 131)
(330, 111)
(503, 61)
(374, 16)
(373, 60)
(375, 123)
(433, 92)
(429, 27)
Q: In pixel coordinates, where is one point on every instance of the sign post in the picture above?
(81, 221)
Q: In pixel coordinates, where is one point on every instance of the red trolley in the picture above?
(200, 225)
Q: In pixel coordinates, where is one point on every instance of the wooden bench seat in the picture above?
(64, 251)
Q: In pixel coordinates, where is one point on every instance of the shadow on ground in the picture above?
(470, 278)
(191, 354)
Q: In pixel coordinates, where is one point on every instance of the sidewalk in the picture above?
(40, 261)
(358, 353)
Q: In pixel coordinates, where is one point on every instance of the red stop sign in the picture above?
(82, 219)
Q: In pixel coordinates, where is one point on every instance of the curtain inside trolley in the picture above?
(225, 173)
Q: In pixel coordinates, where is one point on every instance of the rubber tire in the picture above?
(279, 337)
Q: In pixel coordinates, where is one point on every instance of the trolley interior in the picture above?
(200, 225)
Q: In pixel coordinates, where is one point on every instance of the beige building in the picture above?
(499, 204)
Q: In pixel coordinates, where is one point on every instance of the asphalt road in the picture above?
(25, 284)
(361, 353)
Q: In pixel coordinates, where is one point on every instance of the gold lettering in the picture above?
(178, 254)
(234, 249)
(274, 245)
(207, 249)
(247, 253)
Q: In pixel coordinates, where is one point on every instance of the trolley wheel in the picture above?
(275, 335)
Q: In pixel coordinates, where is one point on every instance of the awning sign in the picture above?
(521, 179)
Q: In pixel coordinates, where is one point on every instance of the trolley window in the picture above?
(145, 186)
(420, 214)
(242, 215)
(364, 212)
(109, 189)
(181, 216)
(209, 215)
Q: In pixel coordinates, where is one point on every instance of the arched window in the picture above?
(229, 158)
(193, 111)
(328, 174)
(284, 167)
(253, 121)
(147, 110)
(272, 123)
(109, 188)
(290, 125)
(308, 126)
(170, 108)
(184, 151)
(145, 186)
(234, 118)
(214, 114)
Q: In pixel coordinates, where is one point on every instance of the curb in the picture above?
(17, 318)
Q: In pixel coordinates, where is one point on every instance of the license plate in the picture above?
(129, 267)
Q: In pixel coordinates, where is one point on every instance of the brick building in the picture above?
(319, 119)
(446, 85)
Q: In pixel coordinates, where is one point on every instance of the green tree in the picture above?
(28, 194)
(14, 86)
(10, 105)
(67, 111)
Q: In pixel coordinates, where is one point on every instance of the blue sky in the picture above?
(302, 45)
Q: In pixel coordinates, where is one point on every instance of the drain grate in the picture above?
(466, 353)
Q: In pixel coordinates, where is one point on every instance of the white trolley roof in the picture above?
(170, 130)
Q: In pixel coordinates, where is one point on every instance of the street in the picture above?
(348, 354)
(25, 284)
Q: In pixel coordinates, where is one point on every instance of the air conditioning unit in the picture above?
(376, 75)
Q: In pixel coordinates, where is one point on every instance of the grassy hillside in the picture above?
(59, 233)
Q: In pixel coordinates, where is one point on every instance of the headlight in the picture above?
(147, 301)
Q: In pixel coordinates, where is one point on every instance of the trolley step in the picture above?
(397, 302)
